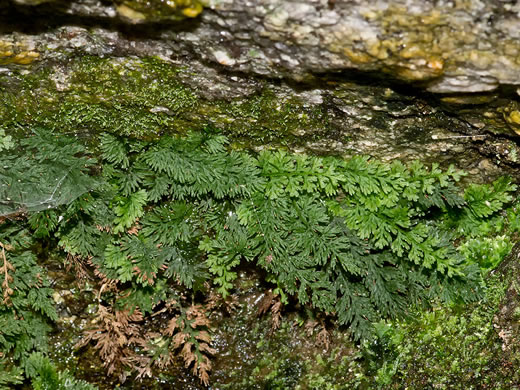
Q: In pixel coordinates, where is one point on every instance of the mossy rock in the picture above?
(507, 320)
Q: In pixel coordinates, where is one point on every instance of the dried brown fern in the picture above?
(76, 263)
(271, 302)
(134, 229)
(106, 284)
(4, 271)
(320, 326)
(116, 337)
(215, 301)
(323, 338)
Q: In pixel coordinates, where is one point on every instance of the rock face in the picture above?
(449, 46)
(409, 79)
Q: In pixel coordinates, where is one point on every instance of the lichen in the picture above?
(19, 53)
(139, 11)
(511, 114)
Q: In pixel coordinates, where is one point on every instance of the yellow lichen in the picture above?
(514, 117)
(192, 12)
(130, 14)
(422, 43)
(16, 53)
(357, 57)
(411, 52)
(409, 45)
(511, 115)
(469, 98)
(436, 64)
(140, 11)
(411, 74)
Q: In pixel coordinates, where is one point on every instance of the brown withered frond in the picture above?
(124, 345)
(116, 337)
(309, 326)
(134, 229)
(100, 275)
(276, 314)
(5, 268)
(216, 301)
(75, 262)
(323, 337)
(103, 228)
(271, 302)
(106, 283)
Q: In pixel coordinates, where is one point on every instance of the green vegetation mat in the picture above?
(158, 225)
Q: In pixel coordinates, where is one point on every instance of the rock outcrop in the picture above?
(434, 80)
(448, 46)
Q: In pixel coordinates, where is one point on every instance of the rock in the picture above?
(469, 46)
(435, 81)
(511, 115)
(145, 98)
(327, 77)
(17, 52)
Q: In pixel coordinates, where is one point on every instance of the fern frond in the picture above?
(129, 209)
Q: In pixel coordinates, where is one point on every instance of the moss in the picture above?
(134, 98)
(290, 359)
(266, 118)
(145, 98)
(452, 347)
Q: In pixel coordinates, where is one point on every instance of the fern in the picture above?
(297, 174)
(45, 375)
(373, 227)
(195, 170)
(484, 202)
(6, 141)
(226, 252)
(9, 376)
(158, 221)
(139, 259)
(81, 239)
(128, 209)
(27, 306)
(44, 223)
(114, 150)
(317, 257)
(172, 223)
(44, 171)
